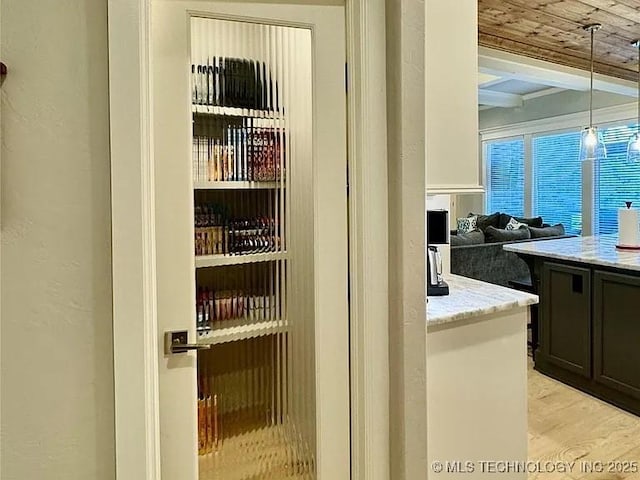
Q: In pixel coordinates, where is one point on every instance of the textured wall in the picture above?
(466, 204)
(56, 346)
(407, 291)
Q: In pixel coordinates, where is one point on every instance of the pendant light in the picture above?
(591, 142)
(633, 147)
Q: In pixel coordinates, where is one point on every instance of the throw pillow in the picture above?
(514, 225)
(466, 225)
(531, 222)
(554, 231)
(486, 220)
(471, 238)
(495, 235)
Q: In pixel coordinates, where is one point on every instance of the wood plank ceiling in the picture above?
(551, 30)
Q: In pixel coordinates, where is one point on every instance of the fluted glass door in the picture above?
(251, 96)
(250, 148)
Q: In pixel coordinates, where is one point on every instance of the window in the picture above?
(557, 182)
(617, 181)
(535, 170)
(505, 176)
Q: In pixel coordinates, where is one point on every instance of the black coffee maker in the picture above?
(437, 234)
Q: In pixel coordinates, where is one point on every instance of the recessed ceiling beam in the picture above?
(498, 99)
(504, 64)
(542, 93)
(486, 78)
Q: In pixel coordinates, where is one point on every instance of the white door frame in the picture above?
(136, 336)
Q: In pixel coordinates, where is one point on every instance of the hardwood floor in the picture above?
(566, 425)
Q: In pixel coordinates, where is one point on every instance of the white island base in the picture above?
(477, 382)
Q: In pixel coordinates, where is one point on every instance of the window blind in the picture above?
(616, 180)
(557, 182)
(505, 176)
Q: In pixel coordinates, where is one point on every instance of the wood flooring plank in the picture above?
(567, 425)
(632, 456)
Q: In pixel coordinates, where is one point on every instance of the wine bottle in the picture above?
(198, 84)
(194, 81)
(222, 77)
(265, 93)
(216, 82)
(204, 83)
(252, 85)
(211, 85)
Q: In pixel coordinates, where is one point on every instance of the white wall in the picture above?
(477, 388)
(463, 205)
(451, 94)
(56, 346)
(407, 290)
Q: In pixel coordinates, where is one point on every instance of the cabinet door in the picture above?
(451, 96)
(617, 332)
(566, 317)
(254, 147)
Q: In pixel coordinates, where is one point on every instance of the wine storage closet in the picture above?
(251, 96)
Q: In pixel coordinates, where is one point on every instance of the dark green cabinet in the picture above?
(589, 329)
(565, 327)
(616, 339)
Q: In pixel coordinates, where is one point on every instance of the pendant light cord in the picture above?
(638, 124)
(591, 83)
(592, 29)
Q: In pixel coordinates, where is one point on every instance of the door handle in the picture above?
(178, 342)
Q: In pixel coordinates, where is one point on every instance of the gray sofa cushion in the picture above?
(471, 238)
(553, 231)
(493, 235)
(532, 222)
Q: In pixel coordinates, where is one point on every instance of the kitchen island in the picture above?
(477, 377)
(589, 315)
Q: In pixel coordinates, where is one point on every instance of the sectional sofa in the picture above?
(479, 254)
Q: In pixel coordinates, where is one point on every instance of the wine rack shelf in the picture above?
(207, 261)
(237, 185)
(241, 332)
(235, 112)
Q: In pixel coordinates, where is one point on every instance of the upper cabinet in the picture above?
(451, 99)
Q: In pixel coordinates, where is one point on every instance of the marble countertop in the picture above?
(598, 250)
(470, 298)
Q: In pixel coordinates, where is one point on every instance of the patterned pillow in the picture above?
(486, 220)
(466, 225)
(514, 225)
